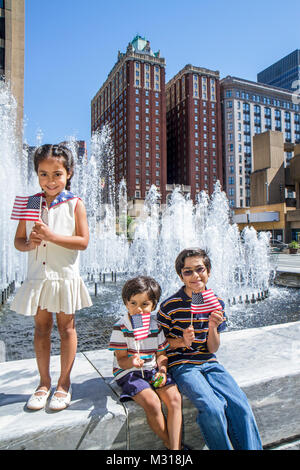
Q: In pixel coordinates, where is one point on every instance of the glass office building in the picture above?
(283, 73)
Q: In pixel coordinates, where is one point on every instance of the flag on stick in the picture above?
(27, 208)
(141, 324)
(204, 303)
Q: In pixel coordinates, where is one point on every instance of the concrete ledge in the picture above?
(2, 351)
(264, 361)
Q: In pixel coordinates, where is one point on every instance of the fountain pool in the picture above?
(94, 324)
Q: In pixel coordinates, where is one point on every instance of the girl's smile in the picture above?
(52, 177)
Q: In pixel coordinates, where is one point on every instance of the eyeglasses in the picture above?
(190, 272)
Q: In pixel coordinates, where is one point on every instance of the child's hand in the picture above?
(34, 240)
(164, 376)
(188, 336)
(215, 319)
(137, 361)
(42, 230)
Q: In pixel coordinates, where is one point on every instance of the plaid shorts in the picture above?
(134, 382)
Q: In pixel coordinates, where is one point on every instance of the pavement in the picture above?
(288, 270)
(264, 361)
(288, 263)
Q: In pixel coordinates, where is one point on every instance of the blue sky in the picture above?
(71, 46)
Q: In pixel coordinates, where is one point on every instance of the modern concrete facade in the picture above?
(132, 100)
(250, 108)
(293, 218)
(194, 135)
(273, 189)
(12, 23)
(285, 73)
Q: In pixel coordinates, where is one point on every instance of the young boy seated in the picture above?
(224, 414)
(140, 359)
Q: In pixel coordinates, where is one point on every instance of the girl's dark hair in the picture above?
(57, 151)
(141, 284)
(187, 253)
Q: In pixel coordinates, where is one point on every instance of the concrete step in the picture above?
(264, 361)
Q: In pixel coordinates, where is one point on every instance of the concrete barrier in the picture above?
(264, 361)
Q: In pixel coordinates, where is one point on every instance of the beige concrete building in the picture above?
(274, 188)
(293, 217)
(12, 26)
(251, 108)
(267, 180)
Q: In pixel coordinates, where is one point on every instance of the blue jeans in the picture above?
(224, 415)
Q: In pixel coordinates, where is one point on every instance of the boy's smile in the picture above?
(194, 275)
(139, 303)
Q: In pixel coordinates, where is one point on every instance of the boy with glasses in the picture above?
(224, 415)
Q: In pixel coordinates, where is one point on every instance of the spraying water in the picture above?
(240, 262)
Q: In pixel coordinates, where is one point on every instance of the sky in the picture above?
(72, 45)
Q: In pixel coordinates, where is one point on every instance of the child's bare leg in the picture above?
(42, 345)
(171, 397)
(151, 404)
(68, 347)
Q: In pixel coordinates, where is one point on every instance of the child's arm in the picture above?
(21, 242)
(76, 242)
(126, 362)
(213, 338)
(186, 340)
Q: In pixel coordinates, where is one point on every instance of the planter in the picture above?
(293, 251)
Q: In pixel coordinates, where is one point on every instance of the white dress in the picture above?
(53, 280)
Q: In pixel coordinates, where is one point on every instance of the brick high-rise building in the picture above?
(194, 134)
(132, 100)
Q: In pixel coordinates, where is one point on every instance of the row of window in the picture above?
(262, 99)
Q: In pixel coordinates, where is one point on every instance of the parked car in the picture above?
(277, 245)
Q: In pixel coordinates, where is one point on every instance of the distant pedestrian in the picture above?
(52, 228)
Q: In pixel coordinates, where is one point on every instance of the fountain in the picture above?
(13, 176)
(240, 262)
(241, 265)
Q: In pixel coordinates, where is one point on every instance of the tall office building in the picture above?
(12, 19)
(283, 73)
(250, 108)
(194, 136)
(132, 100)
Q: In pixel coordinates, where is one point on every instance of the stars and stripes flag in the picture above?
(204, 302)
(27, 208)
(141, 325)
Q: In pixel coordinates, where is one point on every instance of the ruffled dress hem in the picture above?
(62, 295)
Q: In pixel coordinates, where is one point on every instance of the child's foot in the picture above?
(38, 399)
(60, 399)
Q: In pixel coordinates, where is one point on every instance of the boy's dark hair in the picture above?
(59, 151)
(187, 253)
(141, 284)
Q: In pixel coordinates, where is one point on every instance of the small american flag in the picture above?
(141, 325)
(27, 208)
(204, 302)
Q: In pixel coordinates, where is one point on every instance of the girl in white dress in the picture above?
(53, 281)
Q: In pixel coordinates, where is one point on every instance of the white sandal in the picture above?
(60, 403)
(37, 402)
